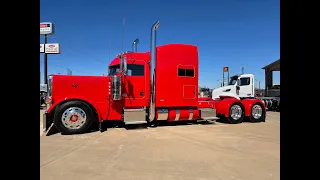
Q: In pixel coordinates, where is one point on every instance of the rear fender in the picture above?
(224, 105)
(66, 99)
(248, 103)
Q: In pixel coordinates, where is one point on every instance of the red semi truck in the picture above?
(142, 87)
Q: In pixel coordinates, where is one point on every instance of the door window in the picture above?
(135, 69)
(244, 81)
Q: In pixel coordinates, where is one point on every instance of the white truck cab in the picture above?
(239, 86)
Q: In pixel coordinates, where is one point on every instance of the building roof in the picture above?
(275, 66)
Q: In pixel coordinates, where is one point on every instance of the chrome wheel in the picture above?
(73, 118)
(256, 111)
(236, 112)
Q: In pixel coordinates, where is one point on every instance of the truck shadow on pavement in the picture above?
(116, 124)
(165, 123)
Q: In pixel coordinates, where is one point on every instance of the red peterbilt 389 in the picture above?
(142, 87)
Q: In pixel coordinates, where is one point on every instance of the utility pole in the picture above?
(242, 69)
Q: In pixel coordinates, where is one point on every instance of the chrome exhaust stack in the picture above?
(135, 45)
(153, 55)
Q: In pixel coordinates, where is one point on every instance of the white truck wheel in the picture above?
(257, 113)
(236, 113)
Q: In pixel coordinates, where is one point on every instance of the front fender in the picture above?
(60, 101)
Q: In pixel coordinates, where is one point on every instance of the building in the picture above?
(275, 66)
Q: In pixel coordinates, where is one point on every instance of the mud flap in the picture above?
(48, 125)
(45, 122)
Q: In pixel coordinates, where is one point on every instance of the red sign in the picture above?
(225, 69)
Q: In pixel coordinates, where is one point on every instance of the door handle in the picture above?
(141, 93)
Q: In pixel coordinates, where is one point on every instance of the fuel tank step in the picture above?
(135, 122)
(134, 116)
(211, 118)
(208, 114)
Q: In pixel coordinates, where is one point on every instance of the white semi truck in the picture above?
(242, 86)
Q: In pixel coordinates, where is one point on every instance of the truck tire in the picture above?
(278, 107)
(257, 113)
(236, 113)
(73, 117)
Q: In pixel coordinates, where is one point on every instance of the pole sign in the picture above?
(225, 69)
(41, 48)
(52, 48)
(46, 28)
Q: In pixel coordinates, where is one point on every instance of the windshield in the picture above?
(233, 80)
(113, 70)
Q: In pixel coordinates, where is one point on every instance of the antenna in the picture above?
(109, 50)
(124, 23)
(242, 69)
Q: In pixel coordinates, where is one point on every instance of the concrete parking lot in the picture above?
(247, 151)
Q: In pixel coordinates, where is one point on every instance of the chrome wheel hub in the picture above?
(235, 112)
(73, 118)
(256, 111)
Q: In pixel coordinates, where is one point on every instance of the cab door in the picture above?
(134, 91)
(245, 86)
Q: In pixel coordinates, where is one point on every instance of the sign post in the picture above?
(46, 29)
(225, 69)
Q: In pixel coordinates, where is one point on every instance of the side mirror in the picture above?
(238, 87)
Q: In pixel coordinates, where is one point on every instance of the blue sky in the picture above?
(232, 33)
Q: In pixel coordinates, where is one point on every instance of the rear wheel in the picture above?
(73, 117)
(236, 113)
(257, 113)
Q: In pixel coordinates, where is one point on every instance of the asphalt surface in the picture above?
(247, 151)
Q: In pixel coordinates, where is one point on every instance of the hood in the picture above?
(223, 91)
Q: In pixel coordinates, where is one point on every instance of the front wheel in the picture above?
(236, 113)
(257, 113)
(73, 117)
